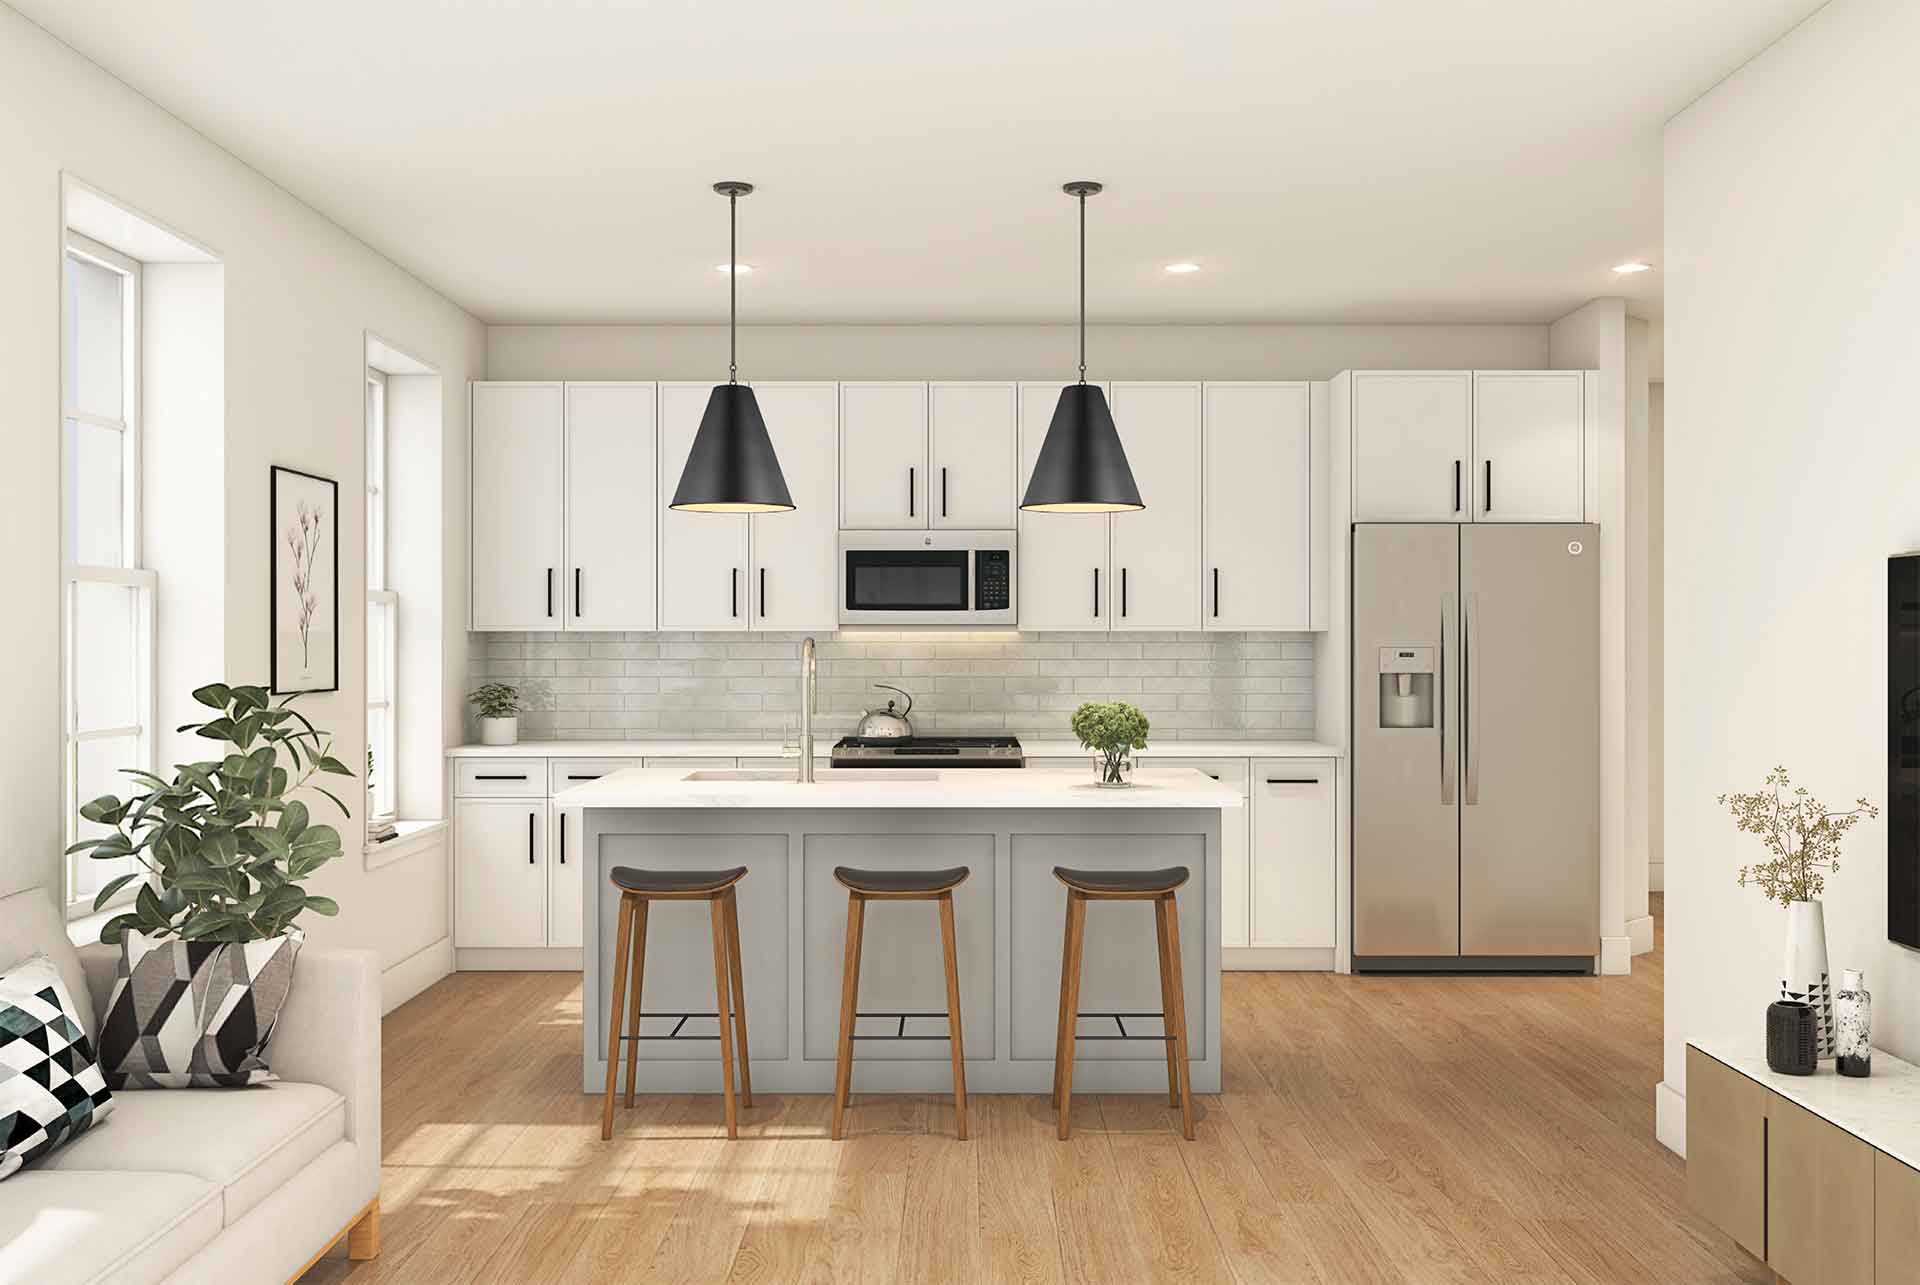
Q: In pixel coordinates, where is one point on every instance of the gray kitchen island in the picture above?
(1011, 828)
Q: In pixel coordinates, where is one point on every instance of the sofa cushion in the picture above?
(246, 1142)
(81, 1225)
(50, 1089)
(31, 924)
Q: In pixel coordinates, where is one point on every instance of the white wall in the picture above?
(1792, 270)
(300, 295)
(1002, 352)
(1656, 637)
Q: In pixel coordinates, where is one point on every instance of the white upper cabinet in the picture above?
(518, 499)
(883, 456)
(611, 456)
(1063, 556)
(703, 556)
(793, 582)
(1412, 445)
(1527, 445)
(974, 457)
(1155, 561)
(1259, 529)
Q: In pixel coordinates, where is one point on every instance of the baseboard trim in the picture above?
(1616, 956)
(1670, 1118)
(529, 959)
(1276, 959)
(414, 974)
(1640, 933)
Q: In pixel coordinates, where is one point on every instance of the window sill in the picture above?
(413, 837)
(85, 931)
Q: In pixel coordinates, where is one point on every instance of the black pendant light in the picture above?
(732, 467)
(1082, 468)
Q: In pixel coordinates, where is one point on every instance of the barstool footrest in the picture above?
(900, 1032)
(675, 1034)
(1120, 1024)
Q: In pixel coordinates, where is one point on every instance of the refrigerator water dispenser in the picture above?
(1406, 686)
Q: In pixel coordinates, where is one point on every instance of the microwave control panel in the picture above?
(992, 579)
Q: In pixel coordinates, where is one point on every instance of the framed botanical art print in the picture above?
(305, 568)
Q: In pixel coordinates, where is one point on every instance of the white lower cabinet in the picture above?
(1291, 860)
(500, 873)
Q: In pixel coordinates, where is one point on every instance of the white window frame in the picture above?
(381, 801)
(129, 574)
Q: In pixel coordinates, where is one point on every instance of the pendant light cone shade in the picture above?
(732, 467)
(1082, 467)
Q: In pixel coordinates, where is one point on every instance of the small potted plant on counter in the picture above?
(499, 706)
(1112, 730)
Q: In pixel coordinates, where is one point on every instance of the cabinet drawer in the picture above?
(566, 773)
(1727, 1150)
(1229, 772)
(500, 778)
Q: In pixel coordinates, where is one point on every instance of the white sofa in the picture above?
(199, 1185)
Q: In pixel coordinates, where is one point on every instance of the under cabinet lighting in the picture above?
(1627, 269)
(737, 269)
(1182, 268)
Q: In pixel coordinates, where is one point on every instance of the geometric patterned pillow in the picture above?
(194, 1014)
(50, 1088)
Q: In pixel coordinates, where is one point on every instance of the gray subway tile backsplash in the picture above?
(686, 686)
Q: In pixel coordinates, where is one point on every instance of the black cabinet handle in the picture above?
(549, 593)
(909, 490)
(530, 820)
(1096, 593)
(563, 838)
(1456, 486)
(499, 776)
(736, 593)
(943, 490)
(1216, 591)
(763, 592)
(1489, 486)
(585, 776)
(1123, 591)
(576, 593)
(1292, 780)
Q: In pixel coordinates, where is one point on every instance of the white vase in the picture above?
(506, 731)
(1803, 976)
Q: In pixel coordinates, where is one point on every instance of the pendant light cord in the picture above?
(733, 285)
(1083, 287)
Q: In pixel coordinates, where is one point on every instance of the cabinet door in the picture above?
(1820, 1197)
(1291, 865)
(1411, 446)
(1156, 552)
(500, 873)
(975, 431)
(516, 523)
(1258, 532)
(1527, 446)
(794, 579)
(1727, 1150)
(1063, 556)
(611, 455)
(703, 556)
(566, 884)
(883, 456)
(1896, 1222)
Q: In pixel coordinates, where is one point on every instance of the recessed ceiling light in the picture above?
(738, 269)
(1183, 267)
(1626, 269)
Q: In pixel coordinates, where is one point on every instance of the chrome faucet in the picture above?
(809, 687)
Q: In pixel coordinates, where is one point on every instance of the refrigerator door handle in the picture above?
(1469, 712)
(1448, 764)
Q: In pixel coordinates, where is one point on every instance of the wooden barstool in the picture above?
(1158, 887)
(898, 885)
(639, 888)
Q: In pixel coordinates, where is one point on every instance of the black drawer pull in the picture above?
(1293, 780)
(499, 776)
(585, 776)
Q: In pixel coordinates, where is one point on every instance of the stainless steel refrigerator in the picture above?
(1476, 746)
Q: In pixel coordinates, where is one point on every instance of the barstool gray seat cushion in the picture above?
(1136, 881)
(675, 881)
(901, 882)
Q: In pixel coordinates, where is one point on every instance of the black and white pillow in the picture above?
(194, 1014)
(50, 1087)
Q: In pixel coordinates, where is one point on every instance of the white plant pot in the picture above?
(1803, 975)
(506, 731)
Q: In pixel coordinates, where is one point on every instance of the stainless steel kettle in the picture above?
(886, 724)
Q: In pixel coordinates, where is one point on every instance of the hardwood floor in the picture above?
(1372, 1129)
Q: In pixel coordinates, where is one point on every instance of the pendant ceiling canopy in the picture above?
(732, 467)
(1082, 467)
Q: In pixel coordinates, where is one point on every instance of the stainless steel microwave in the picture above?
(908, 578)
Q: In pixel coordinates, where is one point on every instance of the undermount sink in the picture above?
(836, 774)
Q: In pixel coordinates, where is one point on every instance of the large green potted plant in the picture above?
(1112, 730)
(223, 846)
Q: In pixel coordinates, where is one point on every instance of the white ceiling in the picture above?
(1324, 160)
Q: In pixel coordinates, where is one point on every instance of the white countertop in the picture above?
(637, 787)
(1882, 1110)
(824, 746)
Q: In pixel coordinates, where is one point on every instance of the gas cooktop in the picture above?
(928, 751)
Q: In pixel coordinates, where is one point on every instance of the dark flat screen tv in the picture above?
(1903, 749)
